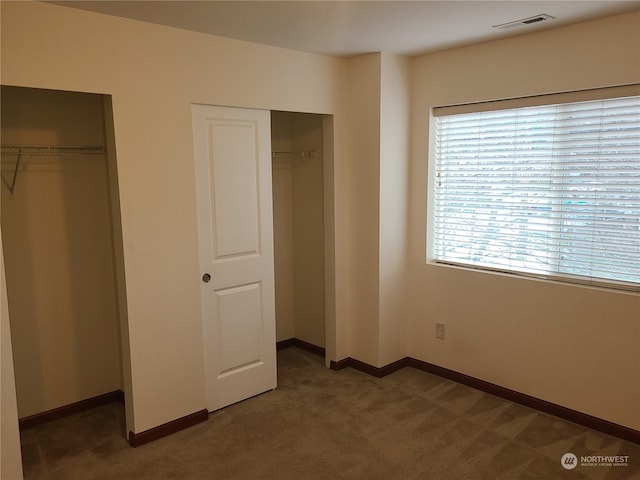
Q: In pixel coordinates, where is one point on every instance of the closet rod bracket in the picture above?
(12, 185)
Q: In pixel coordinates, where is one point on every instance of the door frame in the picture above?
(330, 239)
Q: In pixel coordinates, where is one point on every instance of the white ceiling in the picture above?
(347, 28)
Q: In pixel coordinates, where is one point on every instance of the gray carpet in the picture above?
(321, 424)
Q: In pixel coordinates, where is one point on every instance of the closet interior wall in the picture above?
(59, 251)
(298, 211)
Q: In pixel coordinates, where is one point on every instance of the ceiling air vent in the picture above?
(543, 17)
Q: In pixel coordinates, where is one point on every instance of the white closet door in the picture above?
(235, 223)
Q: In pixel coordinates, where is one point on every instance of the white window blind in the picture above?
(548, 190)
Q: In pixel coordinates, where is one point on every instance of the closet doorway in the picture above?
(297, 141)
(63, 250)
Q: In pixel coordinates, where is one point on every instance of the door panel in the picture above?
(232, 148)
(240, 318)
(234, 183)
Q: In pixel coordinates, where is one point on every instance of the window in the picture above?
(550, 190)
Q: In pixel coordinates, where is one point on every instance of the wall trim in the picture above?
(282, 344)
(340, 364)
(70, 409)
(584, 419)
(565, 413)
(370, 369)
(296, 342)
(137, 439)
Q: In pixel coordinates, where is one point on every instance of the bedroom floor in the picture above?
(323, 424)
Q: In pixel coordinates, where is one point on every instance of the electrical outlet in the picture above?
(440, 331)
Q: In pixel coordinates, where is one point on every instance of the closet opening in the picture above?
(62, 243)
(298, 142)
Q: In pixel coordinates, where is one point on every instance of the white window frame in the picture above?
(539, 100)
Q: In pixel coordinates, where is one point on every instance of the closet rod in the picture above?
(30, 150)
(294, 154)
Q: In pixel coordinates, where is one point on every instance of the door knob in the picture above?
(206, 278)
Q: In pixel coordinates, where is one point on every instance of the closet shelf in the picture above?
(31, 150)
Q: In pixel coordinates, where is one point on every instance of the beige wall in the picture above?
(283, 227)
(395, 107)
(308, 221)
(10, 454)
(575, 346)
(154, 74)
(299, 228)
(363, 206)
(59, 252)
(379, 113)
